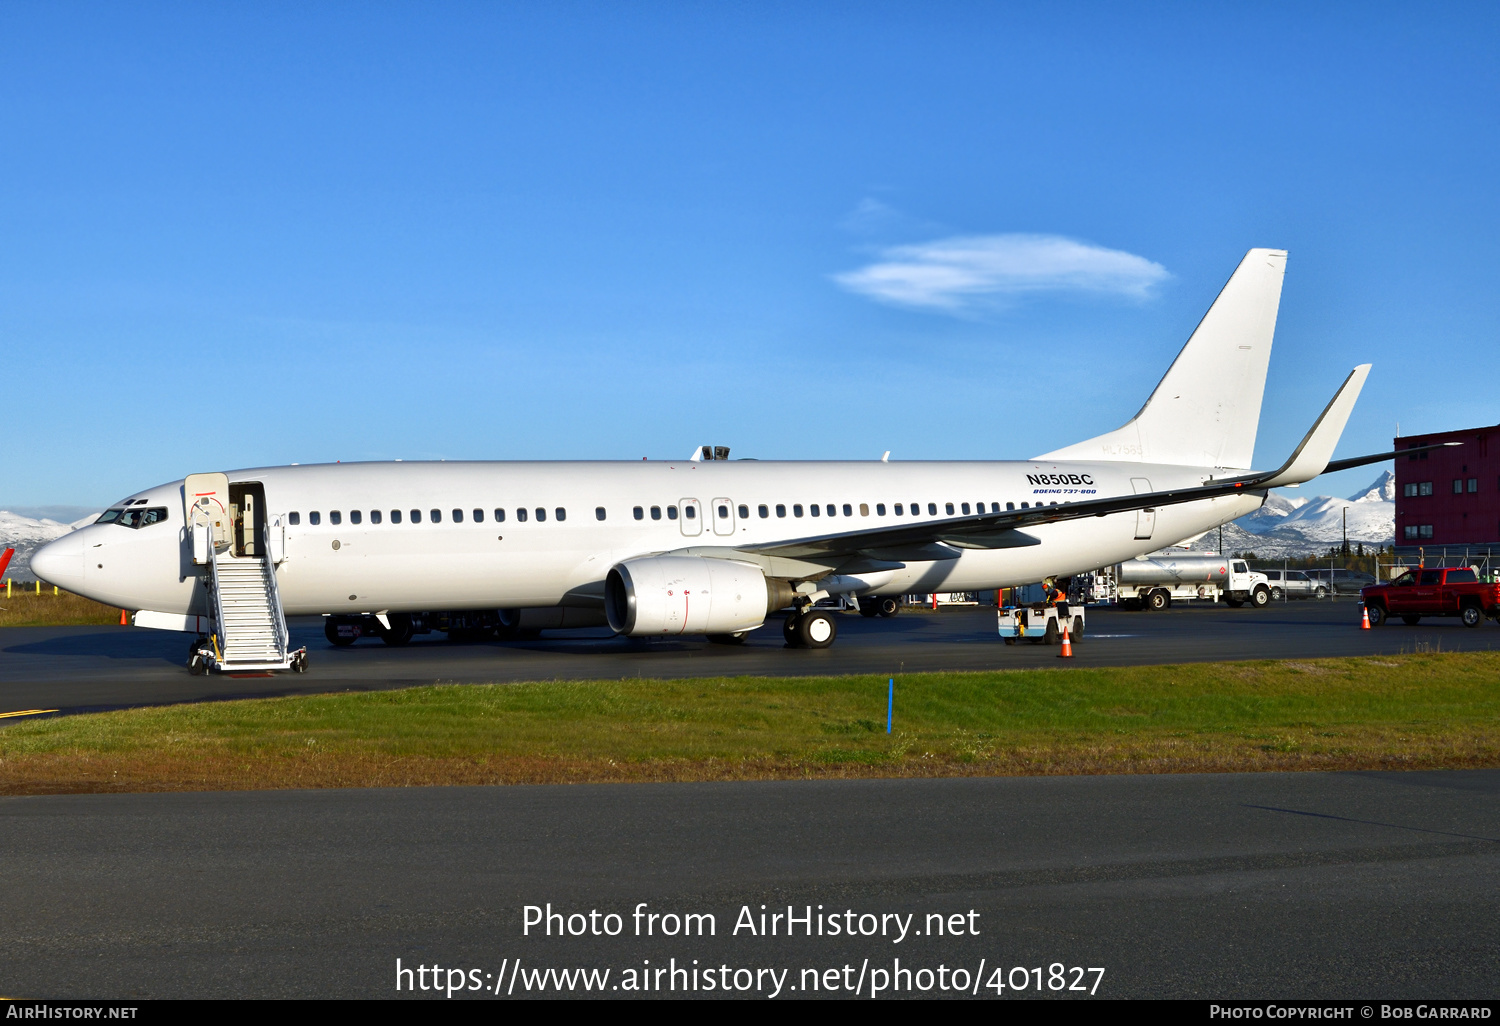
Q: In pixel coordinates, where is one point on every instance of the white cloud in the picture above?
(956, 273)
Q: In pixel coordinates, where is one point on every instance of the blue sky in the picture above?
(245, 234)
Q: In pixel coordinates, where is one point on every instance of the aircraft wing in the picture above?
(945, 539)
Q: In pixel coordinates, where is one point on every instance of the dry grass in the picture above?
(25, 608)
(1408, 712)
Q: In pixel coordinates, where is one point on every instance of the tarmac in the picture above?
(76, 669)
(1352, 886)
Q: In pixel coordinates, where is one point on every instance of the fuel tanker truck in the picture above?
(1156, 581)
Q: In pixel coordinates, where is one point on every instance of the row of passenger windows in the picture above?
(832, 509)
(522, 514)
(434, 516)
(689, 512)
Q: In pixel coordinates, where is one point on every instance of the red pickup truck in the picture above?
(1418, 593)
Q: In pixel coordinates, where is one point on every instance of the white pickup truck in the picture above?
(1156, 581)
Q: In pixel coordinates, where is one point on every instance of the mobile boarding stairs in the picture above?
(247, 631)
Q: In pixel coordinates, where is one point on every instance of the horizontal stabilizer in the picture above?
(1312, 456)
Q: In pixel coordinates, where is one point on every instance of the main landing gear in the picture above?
(811, 628)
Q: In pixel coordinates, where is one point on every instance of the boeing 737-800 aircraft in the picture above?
(692, 547)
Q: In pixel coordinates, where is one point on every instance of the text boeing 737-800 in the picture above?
(693, 547)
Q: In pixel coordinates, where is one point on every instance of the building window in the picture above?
(1409, 490)
(599, 513)
(638, 513)
(355, 516)
(1473, 485)
(374, 516)
(458, 516)
(395, 516)
(499, 515)
(478, 516)
(335, 517)
(796, 510)
(315, 518)
(1410, 532)
(521, 514)
(1424, 531)
(1424, 488)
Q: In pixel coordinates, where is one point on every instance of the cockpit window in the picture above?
(109, 516)
(138, 517)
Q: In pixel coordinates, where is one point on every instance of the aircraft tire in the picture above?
(889, 606)
(818, 629)
(869, 606)
(790, 632)
(331, 632)
(400, 632)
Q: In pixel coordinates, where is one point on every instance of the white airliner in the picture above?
(702, 546)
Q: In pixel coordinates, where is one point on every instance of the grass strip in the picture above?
(1424, 710)
(25, 608)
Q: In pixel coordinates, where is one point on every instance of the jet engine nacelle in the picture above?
(656, 595)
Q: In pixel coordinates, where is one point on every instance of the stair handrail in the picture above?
(278, 617)
(214, 590)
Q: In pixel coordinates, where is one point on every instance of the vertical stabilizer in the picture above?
(1206, 410)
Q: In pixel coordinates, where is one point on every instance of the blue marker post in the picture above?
(890, 704)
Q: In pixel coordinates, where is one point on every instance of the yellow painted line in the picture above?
(27, 712)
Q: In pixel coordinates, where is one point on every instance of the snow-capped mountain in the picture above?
(1272, 515)
(1301, 527)
(26, 535)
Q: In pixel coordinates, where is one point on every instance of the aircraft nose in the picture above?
(60, 562)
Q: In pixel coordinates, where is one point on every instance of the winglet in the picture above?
(1312, 456)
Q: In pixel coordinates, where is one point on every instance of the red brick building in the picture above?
(1448, 500)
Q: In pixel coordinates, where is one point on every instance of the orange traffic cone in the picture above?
(1364, 611)
(1067, 646)
(123, 621)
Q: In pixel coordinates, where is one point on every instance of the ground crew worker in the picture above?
(1057, 597)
